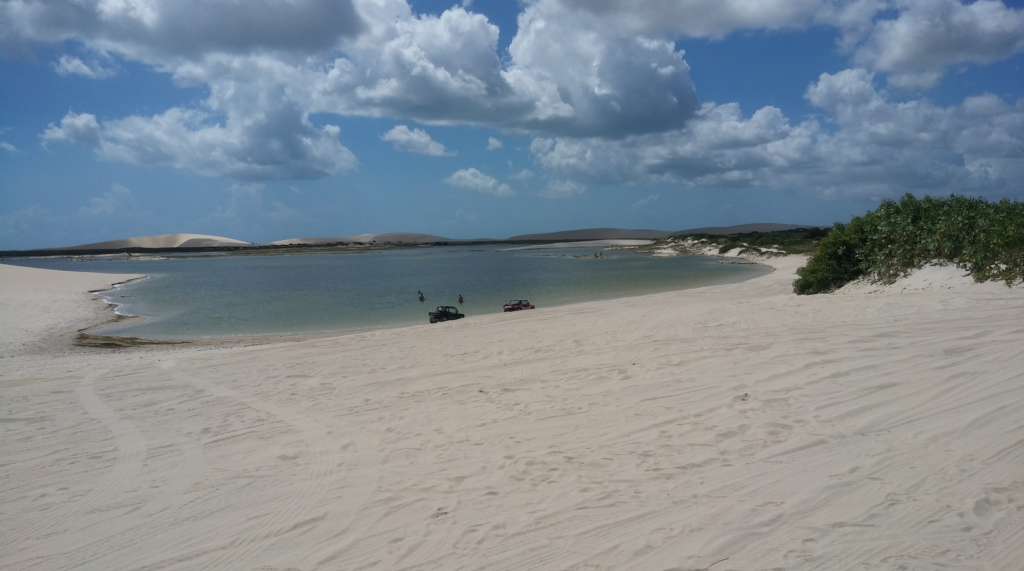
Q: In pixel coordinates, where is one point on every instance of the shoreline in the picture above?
(737, 426)
(93, 336)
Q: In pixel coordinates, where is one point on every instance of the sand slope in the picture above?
(162, 241)
(850, 431)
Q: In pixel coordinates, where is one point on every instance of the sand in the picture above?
(41, 311)
(162, 241)
(738, 427)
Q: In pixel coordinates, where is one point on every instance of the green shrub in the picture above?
(984, 238)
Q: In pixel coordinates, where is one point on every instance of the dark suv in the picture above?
(445, 313)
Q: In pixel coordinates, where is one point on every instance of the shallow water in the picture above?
(223, 296)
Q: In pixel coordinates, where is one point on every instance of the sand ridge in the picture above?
(162, 241)
(736, 425)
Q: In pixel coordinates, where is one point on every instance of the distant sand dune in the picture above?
(393, 237)
(204, 241)
(595, 234)
(162, 241)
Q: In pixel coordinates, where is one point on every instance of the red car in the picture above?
(518, 304)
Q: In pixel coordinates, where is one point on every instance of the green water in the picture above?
(223, 296)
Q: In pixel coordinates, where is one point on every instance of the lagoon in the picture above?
(238, 296)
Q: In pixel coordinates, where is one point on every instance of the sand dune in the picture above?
(393, 237)
(204, 241)
(737, 425)
(162, 241)
(584, 244)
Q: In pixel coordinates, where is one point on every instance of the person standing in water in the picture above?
(460, 298)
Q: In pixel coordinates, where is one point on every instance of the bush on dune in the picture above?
(984, 238)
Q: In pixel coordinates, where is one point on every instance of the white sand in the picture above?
(162, 241)
(41, 311)
(672, 431)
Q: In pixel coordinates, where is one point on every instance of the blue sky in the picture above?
(275, 119)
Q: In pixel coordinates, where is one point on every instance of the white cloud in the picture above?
(580, 75)
(591, 76)
(562, 189)
(927, 36)
(4, 145)
(70, 65)
(78, 129)
(475, 180)
(700, 18)
(878, 147)
(279, 145)
(157, 31)
(645, 201)
(415, 141)
(524, 174)
(494, 144)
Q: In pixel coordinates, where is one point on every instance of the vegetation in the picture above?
(984, 238)
(796, 241)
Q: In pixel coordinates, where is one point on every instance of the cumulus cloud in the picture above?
(70, 65)
(5, 146)
(701, 18)
(414, 141)
(578, 75)
(877, 147)
(591, 77)
(434, 69)
(524, 174)
(477, 181)
(78, 129)
(158, 31)
(927, 36)
(494, 144)
(278, 145)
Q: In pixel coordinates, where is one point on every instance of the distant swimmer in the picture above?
(460, 298)
(421, 297)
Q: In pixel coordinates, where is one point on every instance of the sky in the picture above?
(272, 119)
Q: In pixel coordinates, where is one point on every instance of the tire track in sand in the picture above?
(131, 453)
(324, 456)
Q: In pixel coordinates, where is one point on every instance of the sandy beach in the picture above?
(734, 427)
